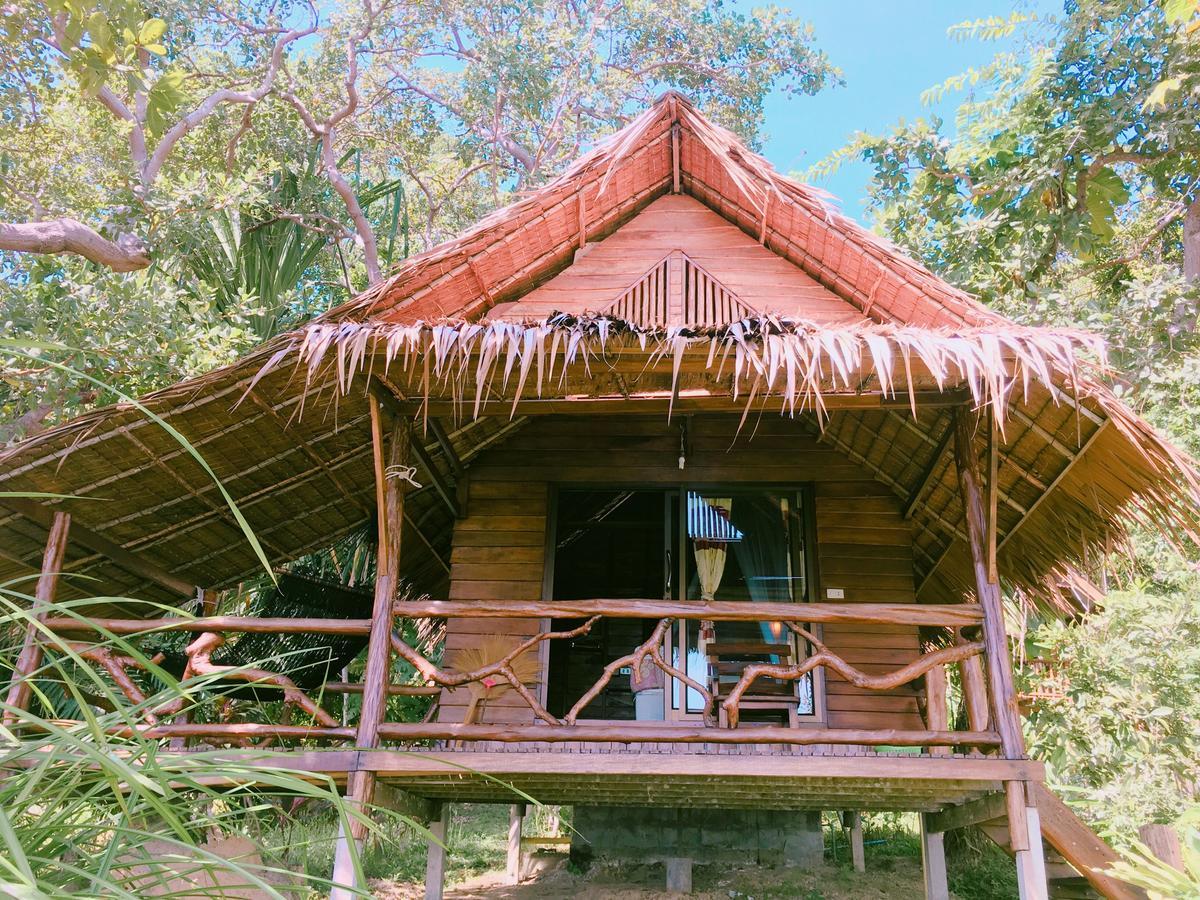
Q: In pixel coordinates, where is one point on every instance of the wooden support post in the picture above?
(933, 862)
(679, 874)
(1163, 842)
(389, 500)
(30, 658)
(999, 668)
(974, 688)
(937, 716)
(435, 859)
(857, 855)
(1031, 862)
(516, 818)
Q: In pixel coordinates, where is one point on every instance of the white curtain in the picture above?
(710, 560)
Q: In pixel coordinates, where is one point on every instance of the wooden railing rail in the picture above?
(961, 615)
(963, 653)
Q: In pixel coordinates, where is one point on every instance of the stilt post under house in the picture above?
(853, 820)
(435, 861)
(933, 862)
(30, 658)
(516, 818)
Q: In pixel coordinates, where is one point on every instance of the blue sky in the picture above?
(889, 51)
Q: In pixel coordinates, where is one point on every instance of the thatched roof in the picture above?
(463, 332)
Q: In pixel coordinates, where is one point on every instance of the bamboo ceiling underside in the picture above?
(294, 451)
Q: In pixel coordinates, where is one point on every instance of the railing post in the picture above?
(937, 717)
(974, 689)
(31, 654)
(389, 500)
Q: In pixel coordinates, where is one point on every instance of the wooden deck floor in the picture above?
(735, 777)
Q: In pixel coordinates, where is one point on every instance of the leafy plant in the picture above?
(1160, 880)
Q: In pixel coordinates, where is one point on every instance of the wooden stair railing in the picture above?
(1075, 856)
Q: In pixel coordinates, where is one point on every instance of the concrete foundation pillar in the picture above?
(435, 861)
(679, 874)
(933, 862)
(804, 844)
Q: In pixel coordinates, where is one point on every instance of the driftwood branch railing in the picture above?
(931, 667)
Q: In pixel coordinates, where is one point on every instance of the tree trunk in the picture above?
(1191, 242)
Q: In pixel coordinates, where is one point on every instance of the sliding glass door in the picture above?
(692, 544)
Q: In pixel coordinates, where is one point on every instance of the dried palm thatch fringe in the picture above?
(795, 361)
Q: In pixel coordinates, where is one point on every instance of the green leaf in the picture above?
(164, 97)
(100, 33)
(151, 31)
(1179, 11)
(1162, 90)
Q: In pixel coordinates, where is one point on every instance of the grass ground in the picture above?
(395, 865)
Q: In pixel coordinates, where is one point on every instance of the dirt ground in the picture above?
(900, 879)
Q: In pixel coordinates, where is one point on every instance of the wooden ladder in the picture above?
(1073, 852)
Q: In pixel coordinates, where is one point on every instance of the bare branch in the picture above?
(225, 95)
(127, 254)
(326, 131)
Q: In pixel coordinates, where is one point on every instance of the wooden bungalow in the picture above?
(713, 489)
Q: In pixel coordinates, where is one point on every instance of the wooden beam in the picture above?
(659, 402)
(439, 482)
(121, 557)
(675, 158)
(448, 451)
(984, 772)
(993, 486)
(517, 733)
(1058, 479)
(389, 450)
(948, 615)
(30, 658)
(929, 471)
(973, 812)
(249, 624)
(937, 713)
(1006, 717)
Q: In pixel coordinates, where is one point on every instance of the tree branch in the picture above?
(225, 95)
(326, 131)
(127, 254)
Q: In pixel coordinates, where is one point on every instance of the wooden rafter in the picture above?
(307, 449)
(927, 475)
(448, 451)
(122, 558)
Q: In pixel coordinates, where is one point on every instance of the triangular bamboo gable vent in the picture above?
(677, 291)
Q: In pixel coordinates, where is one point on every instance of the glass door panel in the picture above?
(741, 546)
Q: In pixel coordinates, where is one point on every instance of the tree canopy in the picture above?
(251, 163)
